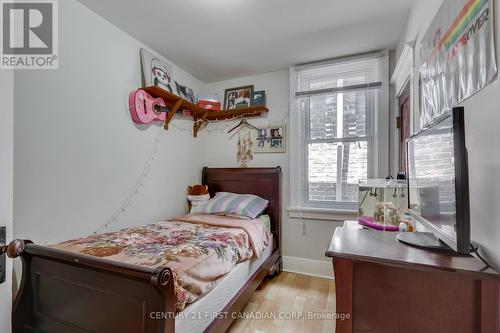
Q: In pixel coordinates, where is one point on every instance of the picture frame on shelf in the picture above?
(185, 92)
(238, 97)
(270, 139)
(157, 72)
(258, 98)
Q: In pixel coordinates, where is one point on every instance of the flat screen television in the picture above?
(438, 182)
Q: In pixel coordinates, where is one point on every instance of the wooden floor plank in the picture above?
(287, 296)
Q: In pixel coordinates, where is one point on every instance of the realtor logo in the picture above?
(29, 37)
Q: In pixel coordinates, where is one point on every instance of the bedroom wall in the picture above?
(304, 244)
(482, 138)
(6, 188)
(77, 153)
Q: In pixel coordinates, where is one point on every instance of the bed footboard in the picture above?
(68, 292)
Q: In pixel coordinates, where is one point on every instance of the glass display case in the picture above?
(382, 203)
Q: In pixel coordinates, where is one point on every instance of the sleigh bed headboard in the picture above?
(264, 182)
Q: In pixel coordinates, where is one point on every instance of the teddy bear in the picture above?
(197, 195)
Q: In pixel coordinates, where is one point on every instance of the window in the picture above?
(336, 107)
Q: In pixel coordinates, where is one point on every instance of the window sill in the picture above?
(321, 214)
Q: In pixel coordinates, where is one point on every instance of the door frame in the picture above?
(403, 74)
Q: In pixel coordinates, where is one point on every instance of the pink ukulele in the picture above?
(144, 108)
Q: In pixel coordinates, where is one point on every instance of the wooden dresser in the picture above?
(386, 286)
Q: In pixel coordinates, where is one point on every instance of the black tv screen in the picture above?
(438, 180)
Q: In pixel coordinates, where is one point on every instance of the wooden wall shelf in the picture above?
(199, 114)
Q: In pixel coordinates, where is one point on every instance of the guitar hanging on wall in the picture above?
(145, 109)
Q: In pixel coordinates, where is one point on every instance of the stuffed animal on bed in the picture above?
(197, 195)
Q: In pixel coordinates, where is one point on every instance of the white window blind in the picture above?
(337, 102)
(350, 74)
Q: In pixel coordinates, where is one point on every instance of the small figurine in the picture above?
(391, 209)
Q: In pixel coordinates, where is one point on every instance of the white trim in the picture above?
(296, 136)
(402, 75)
(404, 68)
(380, 150)
(318, 268)
(312, 213)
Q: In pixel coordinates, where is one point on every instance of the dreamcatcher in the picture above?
(244, 148)
(244, 151)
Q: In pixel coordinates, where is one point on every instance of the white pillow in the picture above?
(247, 205)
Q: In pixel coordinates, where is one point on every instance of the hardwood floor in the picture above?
(271, 308)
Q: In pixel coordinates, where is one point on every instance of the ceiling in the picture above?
(222, 39)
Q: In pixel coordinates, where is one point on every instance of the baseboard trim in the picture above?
(318, 268)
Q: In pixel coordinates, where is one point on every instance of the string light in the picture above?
(135, 189)
(226, 124)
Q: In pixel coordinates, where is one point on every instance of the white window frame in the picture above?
(378, 150)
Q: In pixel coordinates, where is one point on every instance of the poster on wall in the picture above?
(457, 54)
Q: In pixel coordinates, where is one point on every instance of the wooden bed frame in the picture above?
(68, 292)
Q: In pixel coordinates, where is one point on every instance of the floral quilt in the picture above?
(199, 248)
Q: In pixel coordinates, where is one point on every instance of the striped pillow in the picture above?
(248, 205)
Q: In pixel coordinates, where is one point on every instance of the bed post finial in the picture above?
(161, 277)
(14, 249)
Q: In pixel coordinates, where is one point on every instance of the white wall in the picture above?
(482, 117)
(6, 187)
(77, 154)
(299, 241)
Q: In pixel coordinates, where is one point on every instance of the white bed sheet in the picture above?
(196, 317)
